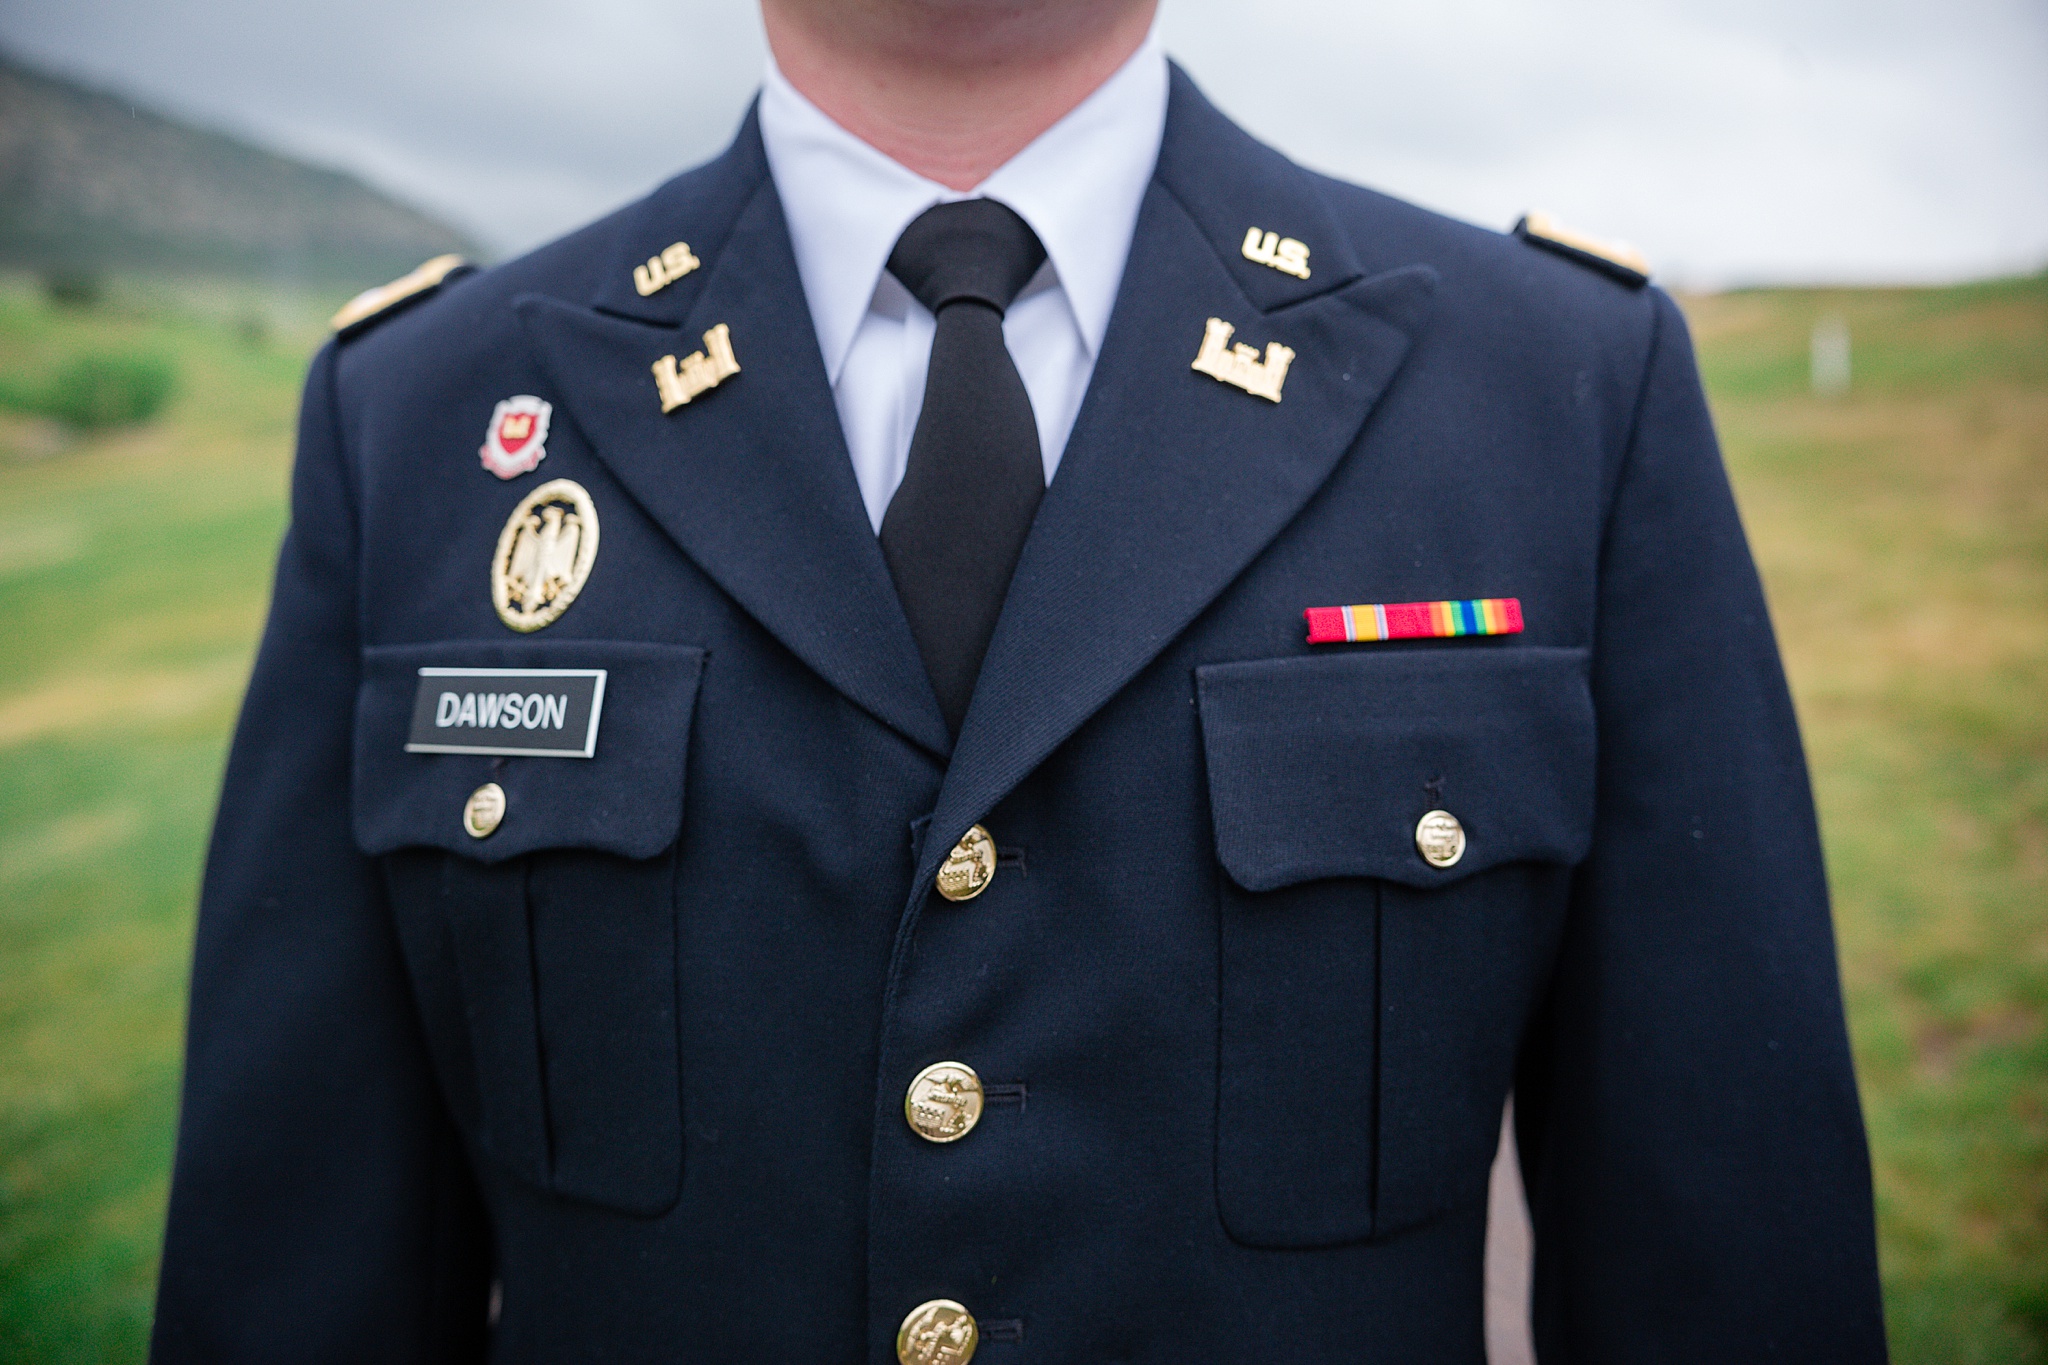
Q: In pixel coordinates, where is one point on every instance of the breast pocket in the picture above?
(539, 921)
(1372, 995)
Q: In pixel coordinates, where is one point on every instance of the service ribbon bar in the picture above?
(1414, 620)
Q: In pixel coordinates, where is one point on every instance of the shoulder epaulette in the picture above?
(372, 304)
(1617, 260)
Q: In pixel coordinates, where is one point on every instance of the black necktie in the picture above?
(954, 530)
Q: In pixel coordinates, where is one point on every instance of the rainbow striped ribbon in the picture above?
(1414, 620)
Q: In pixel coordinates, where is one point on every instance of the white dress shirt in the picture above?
(1078, 185)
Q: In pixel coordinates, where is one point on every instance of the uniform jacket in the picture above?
(625, 1080)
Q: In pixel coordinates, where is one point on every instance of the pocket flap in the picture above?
(626, 798)
(1323, 766)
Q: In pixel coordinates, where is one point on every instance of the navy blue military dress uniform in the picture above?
(534, 1057)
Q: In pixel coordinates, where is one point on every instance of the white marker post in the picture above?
(1830, 357)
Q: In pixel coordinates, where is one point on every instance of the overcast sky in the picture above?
(1732, 140)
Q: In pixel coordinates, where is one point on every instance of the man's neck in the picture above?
(971, 92)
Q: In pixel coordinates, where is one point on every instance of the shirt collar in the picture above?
(1078, 184)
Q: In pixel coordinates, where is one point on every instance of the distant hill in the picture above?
(89, 181)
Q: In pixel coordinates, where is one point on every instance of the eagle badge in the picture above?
(518, 436)
(544, 555)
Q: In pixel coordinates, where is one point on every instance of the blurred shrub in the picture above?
(73, 288)
(105, 390)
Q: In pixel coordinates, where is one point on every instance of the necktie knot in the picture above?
(974, 249)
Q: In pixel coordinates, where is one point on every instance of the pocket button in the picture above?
(1440, 839)
(484, 811)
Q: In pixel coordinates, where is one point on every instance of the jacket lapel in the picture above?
(1173, 482)
(751, 478)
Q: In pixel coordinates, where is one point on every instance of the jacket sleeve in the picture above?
(321, 1207)
(1686, 1108)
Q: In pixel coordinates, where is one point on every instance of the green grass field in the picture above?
(1903, 533)
(133, 569)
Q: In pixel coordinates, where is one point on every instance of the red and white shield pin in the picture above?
(517, 440)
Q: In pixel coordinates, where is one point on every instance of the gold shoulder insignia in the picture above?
(1615, 259)
(372, 302)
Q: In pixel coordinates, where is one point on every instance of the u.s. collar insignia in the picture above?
(518, 436)
(1240, 364)
(544, 555)
(1284, 254)
(679, 381)
(674, 262)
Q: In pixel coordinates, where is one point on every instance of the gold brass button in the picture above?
(1440, 839)
(969, 868)
(940, 1332)
(943, 1103)
(484, 811)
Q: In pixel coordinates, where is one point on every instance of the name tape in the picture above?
(514, 712)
